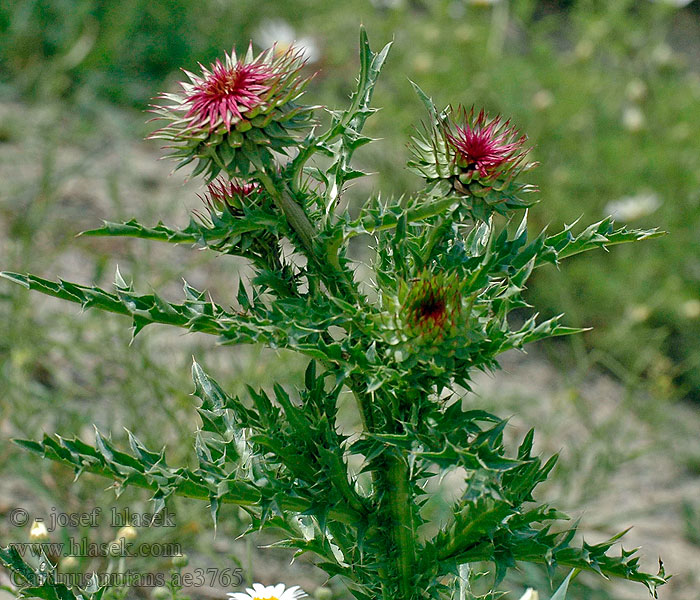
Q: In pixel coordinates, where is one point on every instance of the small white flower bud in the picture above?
(38, 532)
(180, 560)
(636, 90)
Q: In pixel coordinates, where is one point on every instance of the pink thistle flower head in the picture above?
(226, 92)
(239, 107)
(475, 157)
(490, 149)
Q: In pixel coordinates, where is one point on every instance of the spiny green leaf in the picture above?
(599, 235)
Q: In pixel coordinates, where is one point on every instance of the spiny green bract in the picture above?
(447, 271)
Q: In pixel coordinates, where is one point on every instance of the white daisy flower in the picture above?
(269, 592)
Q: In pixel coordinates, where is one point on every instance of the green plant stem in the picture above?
(295, 215)
(391, 481)
(336, 278)
(438, 231)
(393, 478)
(400, 505)
(363, 404)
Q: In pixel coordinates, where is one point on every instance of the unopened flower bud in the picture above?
(230, 195)
(180, 560)
(430, 310)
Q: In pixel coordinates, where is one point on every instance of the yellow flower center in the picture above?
(266, 598)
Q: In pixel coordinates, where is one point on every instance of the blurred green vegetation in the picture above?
(608, 93)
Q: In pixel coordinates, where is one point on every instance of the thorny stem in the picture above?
(363, 404)
(438, 231)
(328, 265)
(392, 479)
(400, 505)
(295, 215)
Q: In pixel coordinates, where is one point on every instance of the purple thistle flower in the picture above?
(237, 108)
(476, 157)
(493, 148)
(226, 92)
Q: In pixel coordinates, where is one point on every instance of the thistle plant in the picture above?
(449, 267)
